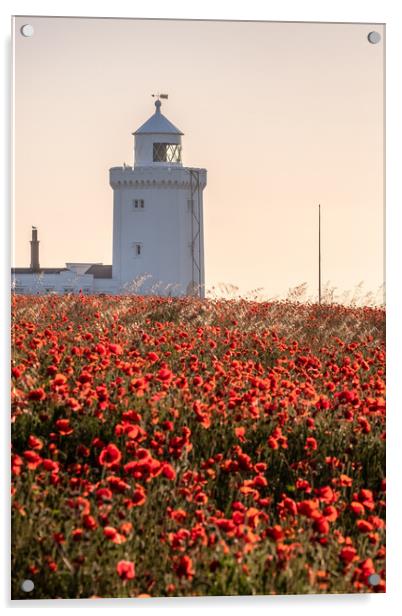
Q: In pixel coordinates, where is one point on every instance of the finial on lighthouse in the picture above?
(158, 103)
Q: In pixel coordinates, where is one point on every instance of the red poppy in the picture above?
(311, 444)
(138, 497)
(59, 379)
(35, 443)
(115, 349)
(37, 394)
(113, 535)
(309, 508)
(276, 532)
(85, 377)
(272, 443)
(32, 458)
(16, 464)
(50, 465)
(89, 522)
(16, 371)
(126, 570)
(77, 534)
(357, 508)
(348, 554)
(168, 471)
(330, 513)
(345, 481)
(63, 426)
(110, 455)
(321, 525)
(184, 567)
(164, 374)
(364, 526)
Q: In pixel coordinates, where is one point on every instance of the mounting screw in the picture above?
(374, 579)
(27, 30)
(27, 586)
(374, 37)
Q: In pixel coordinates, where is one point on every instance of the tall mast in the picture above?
(319, 253)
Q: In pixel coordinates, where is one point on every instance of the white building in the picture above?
(158, 243)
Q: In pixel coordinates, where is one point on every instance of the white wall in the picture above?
(38, 283)
(143, 148)
(163, 227)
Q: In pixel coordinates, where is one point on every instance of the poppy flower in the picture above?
(364, 526)
(32, 458)
(164, 374)
(238, 517)
(113, 535)
(85, 377)
(330, 513)
(16, 464)
(179, 515)
(50, 465)
(357, 508)
(348, 554)
(273, 443)
(63, 427)
(89, 522)
(345, 481)
(276, 532)
(138, 497)
(309, 508)
(35, 443)
(184, 567)
(109, 455)
(321, 525)
(77, 534)
(16, 371)
(311, 444)
(115, 349)
(168, 471)
(126, 570)
(59, 379)
(37, 394)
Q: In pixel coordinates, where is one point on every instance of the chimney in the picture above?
(35, 251)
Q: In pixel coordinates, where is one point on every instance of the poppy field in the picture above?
(184, 447)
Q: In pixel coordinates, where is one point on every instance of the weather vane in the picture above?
(158, 96)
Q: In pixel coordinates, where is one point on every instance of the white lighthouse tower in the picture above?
(158, 215)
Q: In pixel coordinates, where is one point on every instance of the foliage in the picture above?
(176, 447)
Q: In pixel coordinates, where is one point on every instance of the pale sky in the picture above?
(282, 115)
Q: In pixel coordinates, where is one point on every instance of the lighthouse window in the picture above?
(137, 250)
(138, 204)
(167, 153)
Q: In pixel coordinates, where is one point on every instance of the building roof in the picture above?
(158, 123)
(100, 271)
(97, 270)
(42, 270)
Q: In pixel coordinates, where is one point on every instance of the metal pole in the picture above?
(319, 253)
(196, 254)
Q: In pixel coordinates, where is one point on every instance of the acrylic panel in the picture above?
(198, 318)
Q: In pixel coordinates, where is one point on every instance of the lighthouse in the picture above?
(158, 244)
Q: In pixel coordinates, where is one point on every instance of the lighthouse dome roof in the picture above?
(158, 124)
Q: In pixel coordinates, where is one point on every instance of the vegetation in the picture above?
(177, 447)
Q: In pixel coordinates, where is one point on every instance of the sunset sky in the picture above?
(282, 115)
